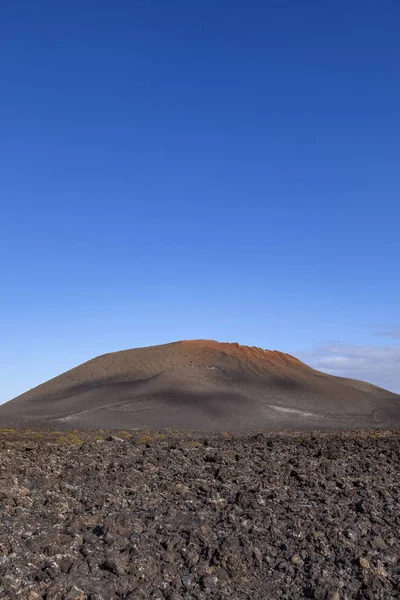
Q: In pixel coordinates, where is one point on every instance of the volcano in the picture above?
(201, 385)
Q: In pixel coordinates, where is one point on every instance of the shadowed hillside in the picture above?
(201, 385)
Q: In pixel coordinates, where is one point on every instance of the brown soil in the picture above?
(201, 385)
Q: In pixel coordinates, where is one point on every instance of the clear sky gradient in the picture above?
(199, 169)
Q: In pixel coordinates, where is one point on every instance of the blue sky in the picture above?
(174, 169)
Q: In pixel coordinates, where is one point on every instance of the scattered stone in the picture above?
(75, 594)
(258, 555)
(113, 566)
(192, 558)
(378, 542)
(210, 581)
(297, 561)
(187, 581)
(364, 563)
(351, 535)
(29, 448)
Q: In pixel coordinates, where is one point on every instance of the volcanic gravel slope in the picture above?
(201, 385)
(194, 516)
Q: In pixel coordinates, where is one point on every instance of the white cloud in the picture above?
(375, 364)
(394, 334)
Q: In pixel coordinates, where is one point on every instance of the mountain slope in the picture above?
(201, 385)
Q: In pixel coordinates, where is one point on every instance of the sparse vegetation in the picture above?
(70, 438)
(124, 435)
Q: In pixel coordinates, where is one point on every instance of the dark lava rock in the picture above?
(185, 516)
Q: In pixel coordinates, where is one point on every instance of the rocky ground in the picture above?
(181, 516)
